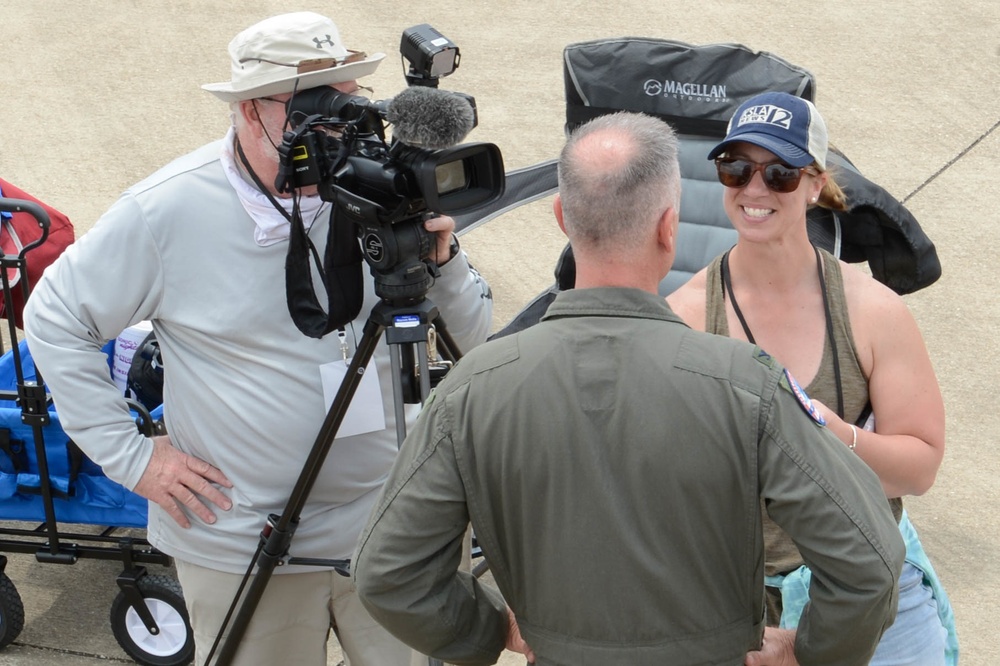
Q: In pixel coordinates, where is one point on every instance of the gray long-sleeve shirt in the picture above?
(243, 387)
(612, 462)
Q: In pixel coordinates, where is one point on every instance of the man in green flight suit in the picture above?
(612, 463)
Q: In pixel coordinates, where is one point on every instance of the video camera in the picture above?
(337, 142)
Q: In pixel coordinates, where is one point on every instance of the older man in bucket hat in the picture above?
(204, 243)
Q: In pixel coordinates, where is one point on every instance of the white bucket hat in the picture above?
(289, 52)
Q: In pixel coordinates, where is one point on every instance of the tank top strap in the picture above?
(715, 301)
(853, 382)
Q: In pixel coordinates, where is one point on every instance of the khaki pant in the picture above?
(292, 622)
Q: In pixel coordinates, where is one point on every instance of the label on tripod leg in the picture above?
(366, 412)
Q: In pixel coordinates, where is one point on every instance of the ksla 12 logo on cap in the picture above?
(786, 125)
(767, 114)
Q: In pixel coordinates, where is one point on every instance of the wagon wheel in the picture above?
(174, 645)
(11, 611)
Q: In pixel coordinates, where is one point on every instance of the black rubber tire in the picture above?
(11, 611)
(174, 646)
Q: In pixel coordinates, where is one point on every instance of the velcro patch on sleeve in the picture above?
(763, 357)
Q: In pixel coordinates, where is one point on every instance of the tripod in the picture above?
(405, 325)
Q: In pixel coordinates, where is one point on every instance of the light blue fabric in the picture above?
(795, 594)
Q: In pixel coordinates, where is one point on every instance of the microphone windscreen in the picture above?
(429, 117)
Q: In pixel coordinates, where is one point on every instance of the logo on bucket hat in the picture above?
(295, 51)
(788, 126)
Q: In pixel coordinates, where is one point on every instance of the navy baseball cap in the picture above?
(788, 126)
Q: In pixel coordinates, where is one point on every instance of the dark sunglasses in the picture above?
(779, 177)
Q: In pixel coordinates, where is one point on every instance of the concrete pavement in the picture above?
(96, 95)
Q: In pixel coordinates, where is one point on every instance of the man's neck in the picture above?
(589, 275)
(248, 163)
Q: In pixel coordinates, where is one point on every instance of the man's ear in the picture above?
(251, 116)
(246, 109)
(558, 211)
(666, 229)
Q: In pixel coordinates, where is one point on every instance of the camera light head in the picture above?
(430, 54)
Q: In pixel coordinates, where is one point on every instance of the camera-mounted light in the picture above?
(430, 55)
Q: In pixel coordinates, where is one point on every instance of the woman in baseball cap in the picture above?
(848, 339)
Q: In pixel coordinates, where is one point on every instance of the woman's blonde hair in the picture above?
(831, 196)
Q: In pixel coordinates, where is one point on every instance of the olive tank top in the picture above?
(780, 554)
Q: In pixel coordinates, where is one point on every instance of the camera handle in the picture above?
(404, 327)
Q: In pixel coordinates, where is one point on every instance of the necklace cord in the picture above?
(727, 286)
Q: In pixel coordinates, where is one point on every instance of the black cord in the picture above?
(728, 286)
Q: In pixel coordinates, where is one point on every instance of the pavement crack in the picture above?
(72, 653)
(950, 162)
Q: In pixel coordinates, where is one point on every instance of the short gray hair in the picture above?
(618, 173)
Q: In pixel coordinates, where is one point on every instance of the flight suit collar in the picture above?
(610, 302)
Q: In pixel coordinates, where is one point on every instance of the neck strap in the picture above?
(340, 270)
(727, 287)
(257, 181)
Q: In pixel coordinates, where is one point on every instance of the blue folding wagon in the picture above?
(47, 485)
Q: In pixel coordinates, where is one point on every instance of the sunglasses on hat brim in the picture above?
(779, 177)
(316, 64)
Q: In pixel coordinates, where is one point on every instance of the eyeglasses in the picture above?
(360, 91)
(778, 177)
(315, 64)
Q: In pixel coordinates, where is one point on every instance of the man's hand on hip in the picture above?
(174, 480)
(778, 649)
(514, 641)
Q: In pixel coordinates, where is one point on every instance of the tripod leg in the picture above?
(446, 344)
(278, 531)
(396, 364)
(400, 358)
(425, 371)
(449, 350)
(404, 342)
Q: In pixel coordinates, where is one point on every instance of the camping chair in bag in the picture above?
(696, 89)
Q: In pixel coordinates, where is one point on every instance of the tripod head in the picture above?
(397, 255)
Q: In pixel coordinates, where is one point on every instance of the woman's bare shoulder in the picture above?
(867, 296)
(688, 301)
(881, 322)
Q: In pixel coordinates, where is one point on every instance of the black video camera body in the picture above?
(337, 144)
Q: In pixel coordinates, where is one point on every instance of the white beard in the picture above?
(271, 226)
